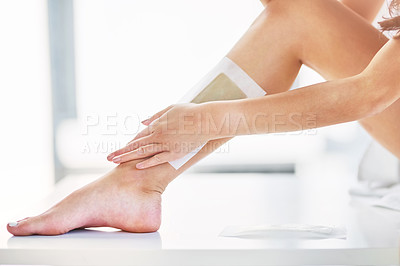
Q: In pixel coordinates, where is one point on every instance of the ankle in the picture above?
(150, 180)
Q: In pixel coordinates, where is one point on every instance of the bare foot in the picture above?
(125, 198)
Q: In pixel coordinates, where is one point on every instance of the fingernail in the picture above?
(13, 224)
(139, 166)
(109, 157)
(117, 159)
(145, 121)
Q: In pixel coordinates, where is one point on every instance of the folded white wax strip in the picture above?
(378, 190)
(237, 85)
(390, 201)
(297, 231)
(178, 163)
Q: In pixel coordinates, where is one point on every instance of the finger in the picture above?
(123, 150)
(139, 153)
(156, 116)
(131, 147)
(145, 132)
(157, 159)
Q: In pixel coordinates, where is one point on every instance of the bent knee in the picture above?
(301, 9)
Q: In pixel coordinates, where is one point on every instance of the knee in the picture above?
(280, 13)
(291, 10)
(274, 6)
(299, 19)
(285, 16)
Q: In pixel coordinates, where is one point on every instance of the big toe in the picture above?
(43, 225)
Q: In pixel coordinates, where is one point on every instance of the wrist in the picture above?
(233, 118)
(215, 119)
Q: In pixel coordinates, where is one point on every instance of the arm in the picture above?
(328, 103)
(368, 9)
(181, 128)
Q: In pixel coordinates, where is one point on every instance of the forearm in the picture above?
(318, 105)
(300, 109)
(332, 102)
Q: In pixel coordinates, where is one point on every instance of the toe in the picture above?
(20, 228)
(43, 224)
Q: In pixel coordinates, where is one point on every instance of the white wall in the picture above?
(25, 111)
(134, 58)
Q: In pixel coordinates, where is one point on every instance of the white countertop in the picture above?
(197, 207)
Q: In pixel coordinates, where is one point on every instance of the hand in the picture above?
(171, 134)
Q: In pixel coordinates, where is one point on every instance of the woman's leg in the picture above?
(130, 199)
(320, 33)
(324, 35)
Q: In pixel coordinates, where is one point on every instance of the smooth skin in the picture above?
(353, 93)
(323, 34)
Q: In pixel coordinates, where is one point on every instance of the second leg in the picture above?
(322, 34)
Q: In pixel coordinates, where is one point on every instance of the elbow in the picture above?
(375, 107)
(377, 95)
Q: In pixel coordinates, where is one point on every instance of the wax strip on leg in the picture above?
(221, 88)
(227, 81)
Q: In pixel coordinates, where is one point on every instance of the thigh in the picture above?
(326, 36)
(341, 44)
(335, 41)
